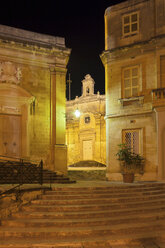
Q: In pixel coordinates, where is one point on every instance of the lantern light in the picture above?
(77, 113)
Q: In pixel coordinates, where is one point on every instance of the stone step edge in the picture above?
(117, 211)
(102, 199)
(89, 192)
(111, 234)
(108, 188)
(113, 194)
(111, 204)
(79, 241)
(85, 222)
(72, 229)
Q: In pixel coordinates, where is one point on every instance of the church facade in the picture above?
(32, 97)
(134, 60)
(86, 132)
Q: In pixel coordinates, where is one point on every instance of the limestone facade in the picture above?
(134, 60)
(32, 96)
(86, 138)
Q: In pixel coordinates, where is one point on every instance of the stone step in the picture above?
(108, 190)
(155, 242)
(90, 213)
(85, 195)
(54, 177)
(122, 187)
(157, 227)
(94, 200)
(62, 181)
(106, 220)
(90, 217)
(86, 207)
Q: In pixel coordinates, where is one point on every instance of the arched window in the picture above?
(87, 90)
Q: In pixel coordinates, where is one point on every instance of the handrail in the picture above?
(20, 159)
(9, 191)
(157, 89)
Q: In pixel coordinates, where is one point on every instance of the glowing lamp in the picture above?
(77, 113)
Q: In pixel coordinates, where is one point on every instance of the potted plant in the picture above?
(130, 163)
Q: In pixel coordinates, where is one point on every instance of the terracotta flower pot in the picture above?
(128, 177)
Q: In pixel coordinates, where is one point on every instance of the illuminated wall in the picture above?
(32, 85)
(134, 60)
(86, 133)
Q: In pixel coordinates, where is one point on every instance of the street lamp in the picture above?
(77, 113)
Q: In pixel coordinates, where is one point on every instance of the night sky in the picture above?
(81, 23)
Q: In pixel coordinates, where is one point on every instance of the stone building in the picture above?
(86, 132)
(134, 60)
(32, 96)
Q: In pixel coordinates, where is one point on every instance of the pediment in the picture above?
(14, 95)
(11, 90)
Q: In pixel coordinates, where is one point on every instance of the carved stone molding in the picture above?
(10, 110)
(10, 73)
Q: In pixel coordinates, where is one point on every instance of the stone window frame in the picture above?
(130, 78)
(134, 139)
(87, 119)
(130, 24)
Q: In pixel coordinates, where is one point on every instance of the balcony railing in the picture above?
(158, 97)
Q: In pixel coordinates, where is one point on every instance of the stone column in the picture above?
(58, 149)
(160, 123)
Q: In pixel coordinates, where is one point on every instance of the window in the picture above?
(130, 24)
(132, 139)
(87, 119)
(87, 90)
(130, 81)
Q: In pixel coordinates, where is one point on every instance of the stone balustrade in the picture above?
(158, 97)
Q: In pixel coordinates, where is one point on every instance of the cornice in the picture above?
(127, 114)
(81, 100)
(29, 37)
(52, 50)
(33, 55)
(120, 6)
(133, 50)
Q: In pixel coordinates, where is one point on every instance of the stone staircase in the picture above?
(23, 172)
(88, 163)
(114, 216)
(53, 177)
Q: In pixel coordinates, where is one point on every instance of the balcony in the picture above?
(158, 97)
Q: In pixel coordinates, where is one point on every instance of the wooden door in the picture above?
(10, 135)
(87, 150)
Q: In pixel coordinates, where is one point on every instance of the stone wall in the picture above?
(87, 175)
(137, 111)
(79, 131)
(32, 83)
(13, 202)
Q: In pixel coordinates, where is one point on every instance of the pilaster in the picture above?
(160, 124)
(58, 150)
